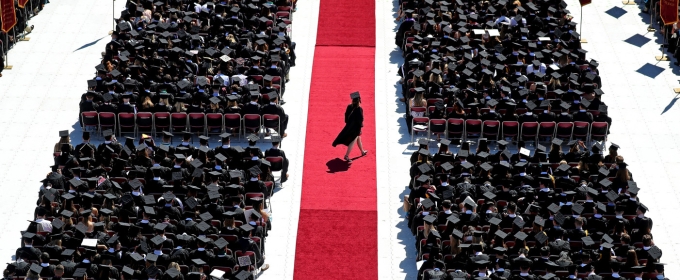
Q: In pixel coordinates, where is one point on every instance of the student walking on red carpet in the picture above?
(354, 121)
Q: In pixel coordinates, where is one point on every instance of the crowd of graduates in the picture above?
(148, 208)
(566, 208)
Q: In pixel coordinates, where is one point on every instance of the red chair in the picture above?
(107, 121)
(491, 129)
(214, 123)
(276, 82)
(598, 131)
(547, 129)
(529, 130)
(256, 79)
(270, 189)
(432, 101)
(581, 130)
(510, 129)
(283, 14)
(271, 121)
(250, 254)
(178, 122)
(161, 122)
(276, 166)
(419, 109)
(564, 130)
(89, 119)
(232, 124)
(197, 122)
(126, 123)
(144, 123)
(252, 123)
(473, 128)
(455, 128)
(419, 124)
(252, 195)
(437, 127)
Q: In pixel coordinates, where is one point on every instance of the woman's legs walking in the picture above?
(349, 149)
(361, 146)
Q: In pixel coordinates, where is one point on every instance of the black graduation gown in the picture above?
(354, 120)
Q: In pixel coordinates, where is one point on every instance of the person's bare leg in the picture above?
(361, 146)
(349, 150)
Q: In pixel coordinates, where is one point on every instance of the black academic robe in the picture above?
(354, 120)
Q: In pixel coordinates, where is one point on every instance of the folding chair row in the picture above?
(495, 130)
(154, 123)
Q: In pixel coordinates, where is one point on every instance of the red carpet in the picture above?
(337, 232)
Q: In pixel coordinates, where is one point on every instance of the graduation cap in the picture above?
(243, 275)
(427, 203)
(521, 236)
(136, 257)
(80, 272)
(577, 208)
(206, 216)
(486, 166)
(56, 223)
(457, 233)
(489, 195)
(654, 252)
(173, 273)
(541, 237)
(519, 222)
(430, 219)
(587, 240)
(500, 233)
(453, 219)
(149, 210)
(157, 240)
(606, 183)
(495, 221)
(202, 226)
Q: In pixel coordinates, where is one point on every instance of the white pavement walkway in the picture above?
(40, 96)
(638, 90)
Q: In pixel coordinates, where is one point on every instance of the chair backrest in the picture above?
(548, 124)
(126, 119)
(473, 123)
(529, 125)
(599, 125)
(437, 121)
(421, 120)
(438, 125)
(232, 120)
(565, 125)
(144, 118)
(251, 120)
(195, 118)
(491, 123)
(432, 101)
(581, 124)
(270, 118)
(90, 118)
(178, 116)
(276, 163)
(456, 121)
(419, 109)
(211, 117)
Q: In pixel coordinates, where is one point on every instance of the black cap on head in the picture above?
(355, 95)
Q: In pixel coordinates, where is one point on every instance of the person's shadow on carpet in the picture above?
(337, 165)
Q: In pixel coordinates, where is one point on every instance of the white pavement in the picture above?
(40, 96)
(638, 90)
